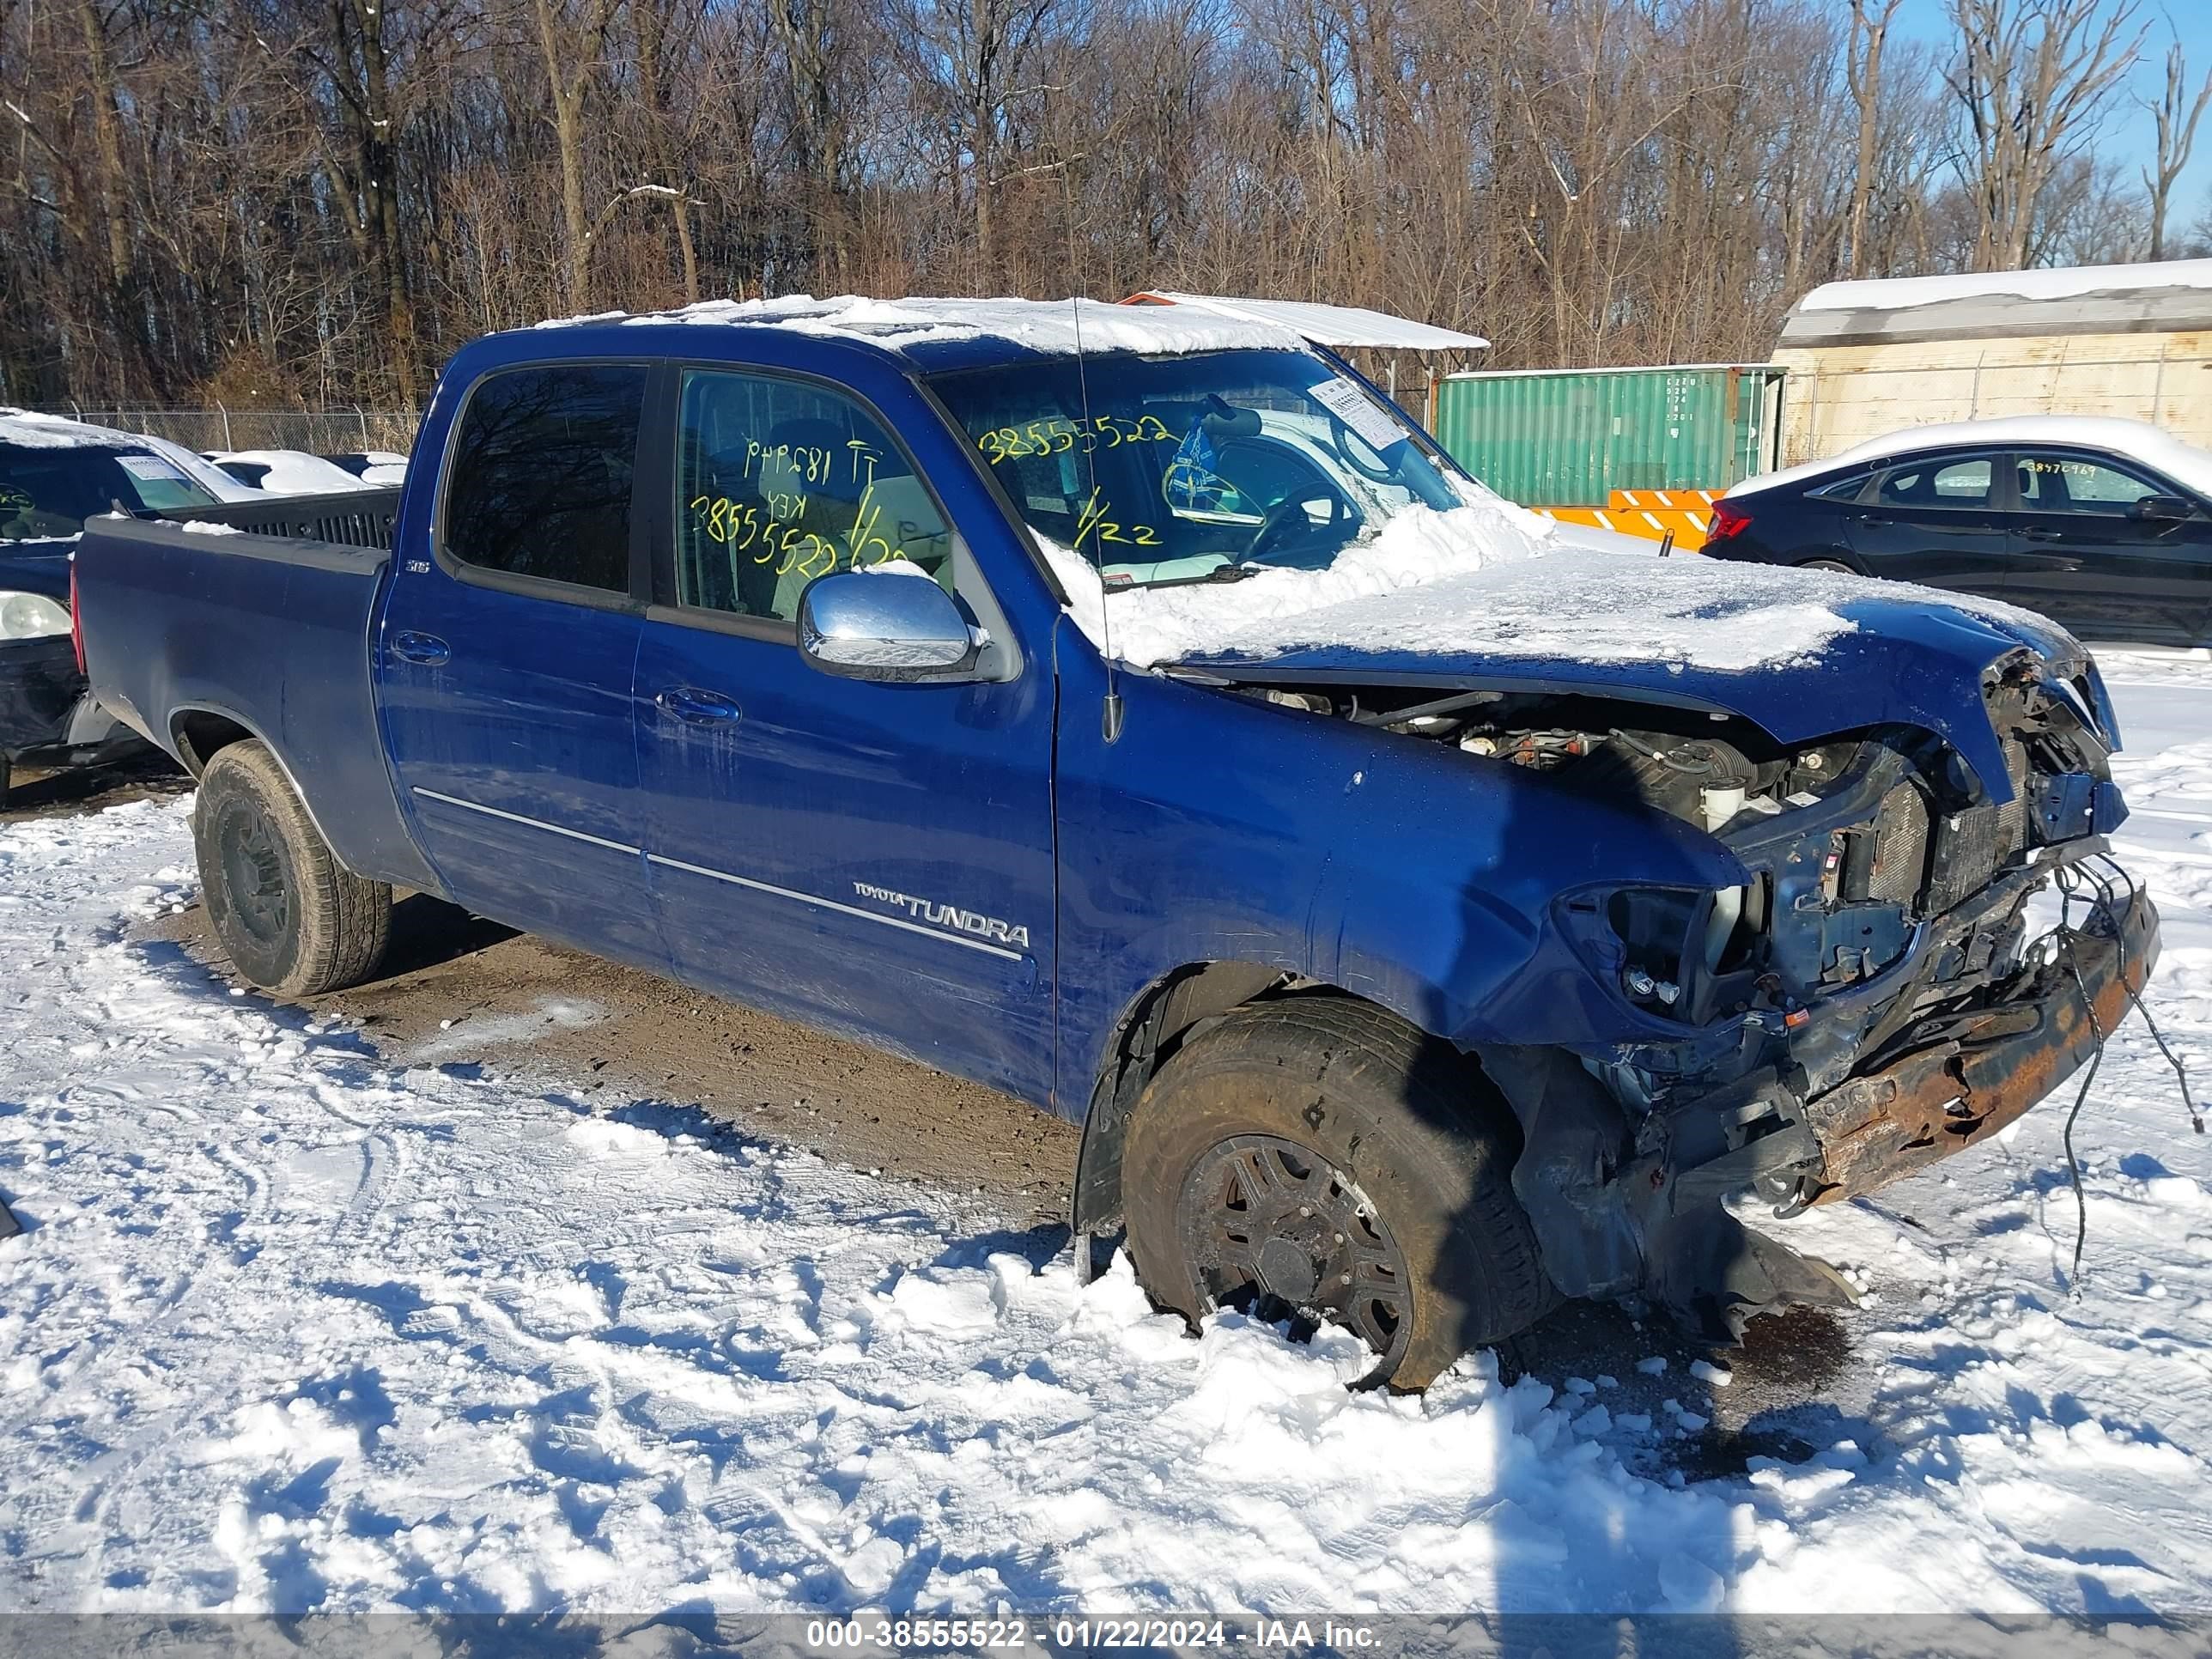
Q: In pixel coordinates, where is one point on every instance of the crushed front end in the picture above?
(1919, 956)
(1918, 951)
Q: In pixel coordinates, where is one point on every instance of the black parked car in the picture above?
(2102, 526)
(55, 474)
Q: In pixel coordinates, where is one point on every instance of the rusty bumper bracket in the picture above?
(1981, 1071)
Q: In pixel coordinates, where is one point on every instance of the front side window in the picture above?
(2059, 483)
(542, 471)
(1956, 483)
(780, 481)
(1193, 468)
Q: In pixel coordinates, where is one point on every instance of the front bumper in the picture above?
(1961, 1080)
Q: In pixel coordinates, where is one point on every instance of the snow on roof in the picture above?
(1486, 577)
(1323, 324)
(33, 431)
(2064, 282)
(1049, 326)
(2137, 440)
(295, 472)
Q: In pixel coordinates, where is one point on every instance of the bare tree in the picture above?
(1870, 26)
(2032, 79)
(2176, 114)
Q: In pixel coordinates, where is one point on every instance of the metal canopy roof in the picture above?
(1328, 325)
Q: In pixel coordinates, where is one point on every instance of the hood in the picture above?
(1800, 654)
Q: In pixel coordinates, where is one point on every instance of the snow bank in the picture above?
(1898, 293)
(1489, 577)
(2139, 441)
(1050, 326)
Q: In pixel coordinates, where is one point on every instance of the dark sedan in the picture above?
(2103, 542)
(54, 475)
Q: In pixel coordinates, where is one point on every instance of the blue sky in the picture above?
(2130, 132)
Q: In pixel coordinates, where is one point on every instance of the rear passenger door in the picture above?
(507, 653)
(874, 859)
(1937, 520)
(2088, 565)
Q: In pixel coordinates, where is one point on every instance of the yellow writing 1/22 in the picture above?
(1093, 521)
(781, 530)
(1057, 437)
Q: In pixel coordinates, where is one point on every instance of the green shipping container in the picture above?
(1570, 437)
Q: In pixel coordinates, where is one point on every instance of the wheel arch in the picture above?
(1167, 1013)
(200, 732)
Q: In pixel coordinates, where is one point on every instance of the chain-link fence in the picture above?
(317, 431)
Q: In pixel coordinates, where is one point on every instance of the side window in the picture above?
(540, 482)
(2071, 483)
(778, 481)
(1939, 483)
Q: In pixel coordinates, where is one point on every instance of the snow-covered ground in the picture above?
(293, 1328)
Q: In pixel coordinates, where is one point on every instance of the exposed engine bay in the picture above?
(1869, 1000)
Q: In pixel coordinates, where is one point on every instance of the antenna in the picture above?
(1110, 718)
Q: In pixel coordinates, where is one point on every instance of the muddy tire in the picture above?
(293, 920)
(1318, 1157)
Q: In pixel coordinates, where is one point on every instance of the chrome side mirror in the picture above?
(870, 625)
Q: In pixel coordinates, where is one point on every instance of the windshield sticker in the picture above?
(1375, 424)
(148, 468)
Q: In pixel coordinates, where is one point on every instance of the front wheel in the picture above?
(293, 919)
(1315, 1158)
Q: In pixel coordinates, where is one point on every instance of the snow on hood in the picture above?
(295, 472)
(1489, 578)
(1041, 324)
(2136, 440)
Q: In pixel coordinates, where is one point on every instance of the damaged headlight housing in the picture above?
(1663, 947)
(31, 616)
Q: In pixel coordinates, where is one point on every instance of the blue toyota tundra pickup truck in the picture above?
(1426, 920)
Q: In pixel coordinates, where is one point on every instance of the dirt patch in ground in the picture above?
(459, 991)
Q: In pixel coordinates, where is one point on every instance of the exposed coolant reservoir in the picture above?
(1721, 802)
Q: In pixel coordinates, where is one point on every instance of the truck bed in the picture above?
(191, 635)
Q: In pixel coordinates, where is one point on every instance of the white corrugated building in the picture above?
(1867, 358)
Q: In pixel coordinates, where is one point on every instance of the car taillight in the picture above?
(76, 617)
(1728, 521)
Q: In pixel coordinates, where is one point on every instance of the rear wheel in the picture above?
(1828, 564)
(292, 918)
(1318, 1160)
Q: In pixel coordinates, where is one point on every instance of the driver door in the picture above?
(874, 859)
(2084, 560)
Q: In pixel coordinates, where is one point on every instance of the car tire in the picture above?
(294, 919)
(1835, 565)
(1300, 1140)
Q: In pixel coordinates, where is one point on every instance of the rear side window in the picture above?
(1844, 489)
(1962, 482)
(541, 480)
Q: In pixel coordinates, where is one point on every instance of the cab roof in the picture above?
(957, 333)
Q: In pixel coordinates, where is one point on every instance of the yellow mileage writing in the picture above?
(1058, 436)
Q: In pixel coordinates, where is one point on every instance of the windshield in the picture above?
(1198, 468)
(52, 491)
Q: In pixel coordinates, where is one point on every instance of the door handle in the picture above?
(426, 648)
(2040, 532)
(1874, 521)
(688, 702)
